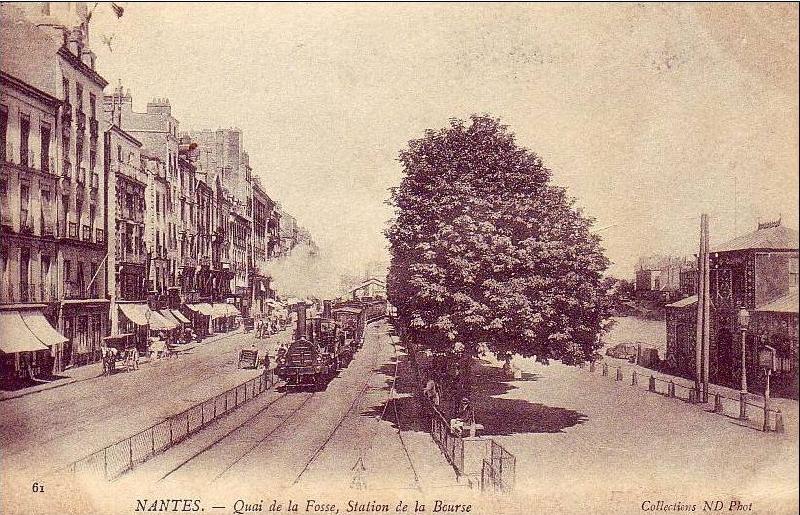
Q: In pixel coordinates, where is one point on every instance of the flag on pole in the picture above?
(118, 10)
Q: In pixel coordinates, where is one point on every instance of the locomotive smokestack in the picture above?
(326, 309)
(301, 321)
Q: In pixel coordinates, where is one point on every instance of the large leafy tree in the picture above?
(487, 252)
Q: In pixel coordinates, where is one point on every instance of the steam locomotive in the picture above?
(325, 344)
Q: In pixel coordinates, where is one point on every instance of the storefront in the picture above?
(84, 323)
(200, 315)
(27, 344)
(135, 320)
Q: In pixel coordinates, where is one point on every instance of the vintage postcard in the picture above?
(410, 258)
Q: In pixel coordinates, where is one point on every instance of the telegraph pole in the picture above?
(703, 314)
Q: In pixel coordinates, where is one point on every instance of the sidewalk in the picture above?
(730, 396)
(94, 370)
(613, 445)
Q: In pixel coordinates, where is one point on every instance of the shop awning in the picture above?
(159, 323)
(220, 311)
(274, 303)
(15, 335)
(179, 317)
(202, 308)
(233, 311)
(41, 328)
(136, 313)
(170, 317)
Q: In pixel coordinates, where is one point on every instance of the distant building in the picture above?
(371, 288)
(658, 278)
(757, 271)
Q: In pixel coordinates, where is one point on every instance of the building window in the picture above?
(45, 137)
(79, 96)
(24, 199)
(65, 84)
(119, 153)
(24, 278)
(3, 131)
(24, 135)
(92, 158)
(92, 106)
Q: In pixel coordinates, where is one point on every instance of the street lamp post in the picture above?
(744, 322)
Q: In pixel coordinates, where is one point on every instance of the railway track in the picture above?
(272, 439)
(379, 419)
(245, 425)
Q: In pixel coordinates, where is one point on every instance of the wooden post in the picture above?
(652, 383)
(634, 379)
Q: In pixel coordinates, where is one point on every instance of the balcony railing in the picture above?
(75, 290)
(28, 292)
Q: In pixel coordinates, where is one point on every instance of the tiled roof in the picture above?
(784, 304)
(772, 238)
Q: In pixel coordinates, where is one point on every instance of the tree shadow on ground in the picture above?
(498, 415)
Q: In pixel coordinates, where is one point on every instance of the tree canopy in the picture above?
(486, 251)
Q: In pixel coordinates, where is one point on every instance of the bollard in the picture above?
(605, 369)
(652, 384)
(634, 379)
(717, 403)
(692, 395)
(671, 389)
(779, 421)
(591, 366)
(619, 374)
(742, 405)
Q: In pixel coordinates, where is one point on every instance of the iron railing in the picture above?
(122, 456)
(498, 469)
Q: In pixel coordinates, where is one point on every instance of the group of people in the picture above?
(268, 326)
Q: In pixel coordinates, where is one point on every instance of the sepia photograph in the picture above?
(322, 258)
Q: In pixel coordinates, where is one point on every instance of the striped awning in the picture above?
(179, 317)
(170, 317)
(159, 323)
(41, 328)
(16, 336)
(220, 311)
(136, 313)
(202, 308)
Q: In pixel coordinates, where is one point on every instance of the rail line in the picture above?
(380, 418)
(239, 427)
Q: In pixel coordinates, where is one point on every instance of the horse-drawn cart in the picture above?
(119, 353)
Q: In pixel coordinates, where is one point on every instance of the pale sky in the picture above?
(648, 114)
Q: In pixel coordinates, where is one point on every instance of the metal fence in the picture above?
(451, 446)
(744, 409)
(114, 460)
(498, 470)
(498, 466)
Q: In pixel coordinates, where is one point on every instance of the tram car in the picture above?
(319, 349)
(354, 315)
